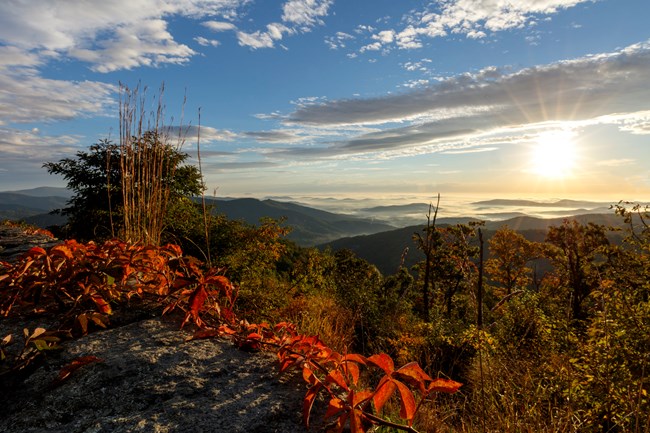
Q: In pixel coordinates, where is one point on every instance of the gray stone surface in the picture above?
(152, 380)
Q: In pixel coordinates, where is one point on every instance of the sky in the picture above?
(365, 98)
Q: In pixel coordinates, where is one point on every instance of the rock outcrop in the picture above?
(150, 379)
(16, 240)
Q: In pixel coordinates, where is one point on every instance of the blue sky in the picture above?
(545, 98)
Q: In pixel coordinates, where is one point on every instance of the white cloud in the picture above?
(385, 37)
(415, 83)
(255, 40)
(638, 124)
(407, 38)
(205, 133)
(263, 39)
(207, 42)
(363, 29)
(375, 46)
(608, 88)
(616, 162)
(582, 88)
(28, 149)
(277, 136)
(305, 13)
(338, 41)
(298, 15)
(472, 18)
(219, 26)
(111, 35)
(417, 66)
(147, 43)
(11, 57)
(276, 30)
(28, 97)
(471, 150)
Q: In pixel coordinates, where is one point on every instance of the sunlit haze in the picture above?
(370, 99)
(554, 155)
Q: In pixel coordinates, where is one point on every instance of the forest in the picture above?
(504, 334)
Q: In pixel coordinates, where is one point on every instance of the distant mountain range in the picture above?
(309, 226)
(33, 206)
(531, 203)
(378, 240)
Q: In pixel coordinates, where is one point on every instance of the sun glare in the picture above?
(554, 154)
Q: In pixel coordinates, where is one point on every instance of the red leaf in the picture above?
(356, 399)
(413, 374)
(444, 385)
(407, 402)
(309, 376)
(383, 392)
(336, 377)
(361, 397)
(75, 365)
(204, 333)
(226, 330)
(287, 363)
(220, 281)
(308, 403)
(101, 304)
(197, 298)
(351, 369)
(384, 362)
(62, 251)
(334, 408)
(36, 251)
(82, 320)
(356, 426)
(353, 357)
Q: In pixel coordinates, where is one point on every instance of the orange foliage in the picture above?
(85, 281)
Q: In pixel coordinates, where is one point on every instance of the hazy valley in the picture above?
(378, 233)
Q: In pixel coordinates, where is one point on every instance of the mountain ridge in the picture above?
(386, 250)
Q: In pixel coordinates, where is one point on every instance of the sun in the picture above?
(554, 154)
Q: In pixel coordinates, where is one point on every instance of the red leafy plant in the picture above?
(86, 282)
(17, 364)
(341, 378)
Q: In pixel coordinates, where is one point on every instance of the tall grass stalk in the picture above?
(144, 145)
(206, 225)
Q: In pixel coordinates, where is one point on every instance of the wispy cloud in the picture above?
(568, 90)
(219, 26)
(615, 162)
(604, 88)
(204, 42)
(28, 97)
(31, 147)
(239, 166)
(338, 41)
(278, 136)
(472, 150)
(204, 133)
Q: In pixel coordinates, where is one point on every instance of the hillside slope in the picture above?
(309, 226)
(18, 206)
(385, 249)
